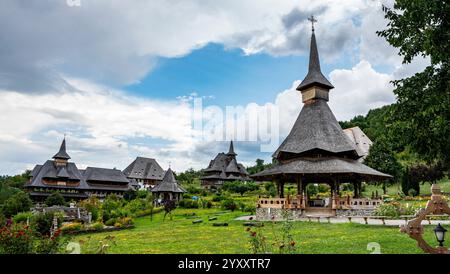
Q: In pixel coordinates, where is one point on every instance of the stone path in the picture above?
(357, 220)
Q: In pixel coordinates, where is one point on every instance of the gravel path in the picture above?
(357, 220)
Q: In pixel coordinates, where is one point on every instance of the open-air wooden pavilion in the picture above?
(317, 151)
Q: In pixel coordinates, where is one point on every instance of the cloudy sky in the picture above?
(119, 78)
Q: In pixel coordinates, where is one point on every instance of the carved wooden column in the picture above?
(281, 189)
(277, 183)
(299, 186)
(333, 195)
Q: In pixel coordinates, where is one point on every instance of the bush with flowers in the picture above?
(71, 227)
(283, 240)
(16, 239)
(19, 238)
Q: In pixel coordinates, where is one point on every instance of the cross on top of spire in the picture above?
(312, 20)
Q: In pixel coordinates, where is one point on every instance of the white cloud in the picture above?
(358, 90)
(118, 42)
(99, 123)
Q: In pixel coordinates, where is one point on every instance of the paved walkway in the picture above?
(357, 220)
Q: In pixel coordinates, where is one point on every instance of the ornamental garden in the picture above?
(375, 184)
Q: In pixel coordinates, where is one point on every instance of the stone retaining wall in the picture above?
(266, 214)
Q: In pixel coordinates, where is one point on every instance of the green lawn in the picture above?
(425, 189)
(181, 236)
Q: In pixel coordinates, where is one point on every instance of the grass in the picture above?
(425, 189)
(181, 236)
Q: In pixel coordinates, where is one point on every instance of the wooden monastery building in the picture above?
(145, 172)
(60, 175)
(317, 151)
(223, 168)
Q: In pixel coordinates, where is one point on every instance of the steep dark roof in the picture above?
(314, 76)
(90, 179)
(62, 154)
(219, 163)
(231, 150)
(232, 167)
(144, 168)
(168, 184)
(62, 172)
(95, 174)
(329, 165)
(225, 167)
(50, 171)
(316, 128)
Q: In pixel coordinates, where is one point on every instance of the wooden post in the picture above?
(281, 189)
(299, 186)
(355, 190)
(278, 188)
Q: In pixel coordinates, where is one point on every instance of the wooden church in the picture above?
(224, 168)
(60, 175)
(317, 151)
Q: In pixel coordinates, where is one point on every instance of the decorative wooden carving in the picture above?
(414, 228)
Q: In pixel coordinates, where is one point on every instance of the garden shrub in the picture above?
(194, 190)
(412, 192)
(229, 204)
(240, 187)
(110, 222)
(50, 245)
(97, 226)
(22, 217)
(250, 209)
(21, 239)
(208, 204)
(111, 207)
(19, 202)
(217, 198)
(395, 209)
(92, 205)
(270, 188)
(55, 199)
(2, 219)
(135, 206)
(16, 239)
(71, 227)
(42, 222)
(125, 221)
(188, 204)
(130, 195)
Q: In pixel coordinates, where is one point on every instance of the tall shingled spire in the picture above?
(315, 78)
(62, 154)
(231, 150)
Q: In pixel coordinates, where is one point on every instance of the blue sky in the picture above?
(110, 74)
(229, 75)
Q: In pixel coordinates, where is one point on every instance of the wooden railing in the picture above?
(300, 202)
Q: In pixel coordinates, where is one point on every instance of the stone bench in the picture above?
(220, 224)
(255, 224)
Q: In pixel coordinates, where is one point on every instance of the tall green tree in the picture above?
(421, 115)
(189, 176)
(382, 158)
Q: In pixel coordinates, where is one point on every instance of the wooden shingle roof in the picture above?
(168, 184)
(316, 128)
